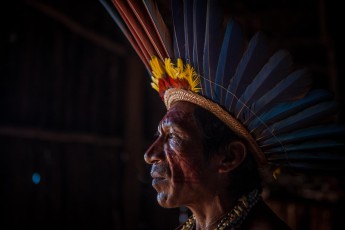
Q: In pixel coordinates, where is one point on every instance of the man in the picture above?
(199, 163)
(232, 108)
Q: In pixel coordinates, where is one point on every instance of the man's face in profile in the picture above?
(180, 171)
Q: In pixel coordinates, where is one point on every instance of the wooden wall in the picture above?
(77, 109)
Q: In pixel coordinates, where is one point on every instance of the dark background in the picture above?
(77, 109)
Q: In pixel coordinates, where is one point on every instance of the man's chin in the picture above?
(164, 201)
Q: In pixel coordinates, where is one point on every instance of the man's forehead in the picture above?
(180, 112)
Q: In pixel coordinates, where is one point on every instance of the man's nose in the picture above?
(155, 152)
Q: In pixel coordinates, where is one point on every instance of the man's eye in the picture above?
(174, 139)
(171, 136)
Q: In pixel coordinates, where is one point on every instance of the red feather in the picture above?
(144, 19)
(135, 28)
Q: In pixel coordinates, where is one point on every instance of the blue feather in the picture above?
(318, 145)
(321, 156)
(274, 71)
(213, 36)
(188, 29)
(296, 85)
(178, 28)
(199, 19)
(230, 55)
(251, 63)
(301, 119)
(305, 156)
(287, 109)
(160, 26)
(310, 133)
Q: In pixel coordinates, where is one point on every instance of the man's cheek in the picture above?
(186, 171)
(176, 171)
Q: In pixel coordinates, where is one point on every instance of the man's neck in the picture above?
(215, 211)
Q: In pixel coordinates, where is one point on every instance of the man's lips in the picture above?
(157, 178)
(156, 175)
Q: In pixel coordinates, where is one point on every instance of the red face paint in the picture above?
(179, 168)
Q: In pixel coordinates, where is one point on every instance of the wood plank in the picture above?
(133, 141)
(40, 134)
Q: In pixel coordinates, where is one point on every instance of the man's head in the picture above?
(196, 157)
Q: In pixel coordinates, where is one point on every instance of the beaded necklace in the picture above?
(235, 217)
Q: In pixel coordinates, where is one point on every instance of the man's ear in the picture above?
(234, 155)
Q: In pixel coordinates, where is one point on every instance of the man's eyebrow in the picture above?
(168, 123)
(182, 115)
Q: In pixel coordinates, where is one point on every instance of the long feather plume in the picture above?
(146, 23)
(230, 55)
(284, 110)
(309, 133)
(313, 158)
(274, 71)
(213, 35)
(199, 12)
(178, 28)
(161, 28)
(188, 29)
(319, 145)
(301, 119)
(295, 86)
(251, 63)
(305, 156)
(135, 28)
(114, 15)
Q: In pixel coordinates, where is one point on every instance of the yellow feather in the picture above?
(168, 69)
(158, 69)
(180, 73)
(154, 80)
(189, 73)
(192, 78)
(180, 64)
(153, 85)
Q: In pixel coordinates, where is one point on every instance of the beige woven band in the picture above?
(172, 95)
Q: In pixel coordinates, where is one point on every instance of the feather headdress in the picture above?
(258, 94)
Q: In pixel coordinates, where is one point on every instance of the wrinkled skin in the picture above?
(181, 175)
